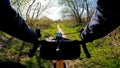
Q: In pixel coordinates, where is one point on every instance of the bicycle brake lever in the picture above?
(33, 50)
(86, 50)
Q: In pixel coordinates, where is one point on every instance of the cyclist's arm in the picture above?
(12, 23)
(104, 20)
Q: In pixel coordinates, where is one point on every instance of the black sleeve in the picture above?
(12, 23)
(104, 20)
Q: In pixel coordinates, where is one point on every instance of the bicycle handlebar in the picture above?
(65, 42)
(60, 47)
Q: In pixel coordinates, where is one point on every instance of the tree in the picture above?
(19, 5)
(77, 9)
(74, 8)
(87, 9)
(90, 6)
(31, 8)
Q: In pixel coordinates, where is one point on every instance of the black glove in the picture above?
(12, 23)
(83, 37)
(38, 33)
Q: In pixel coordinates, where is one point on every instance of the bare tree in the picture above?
(87, 9)
(42, 8)
(90, 6)
(36, 10)
(29, 9)
(32, 8)
(78, 9)
(75, 8)
(13, 2)
(19, 5)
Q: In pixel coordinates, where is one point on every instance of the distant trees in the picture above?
(87, 9)
(77, 9)
(41, 23)
(72, 9)
(32, 8)
(19, 5)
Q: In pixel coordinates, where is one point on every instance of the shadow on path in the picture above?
(7, 64)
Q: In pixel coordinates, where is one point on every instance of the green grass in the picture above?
(71, 32)
(14, 49)
(103, 53)
(50, 31)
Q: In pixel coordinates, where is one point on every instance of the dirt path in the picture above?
(69, 63)
(61, 31)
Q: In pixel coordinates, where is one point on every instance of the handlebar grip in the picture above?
(86, 50)
(38, 33)
(33, 50)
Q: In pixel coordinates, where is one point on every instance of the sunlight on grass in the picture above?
(50, 31)
(104, 54)
(72, 33)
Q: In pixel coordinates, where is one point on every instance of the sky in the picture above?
(53, 12)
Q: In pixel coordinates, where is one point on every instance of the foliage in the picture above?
(49, 32)
(32, 8)
(37, 62)
(15, 50)
(42, 23)
(105, 51)
(71, 30)
(77, 9)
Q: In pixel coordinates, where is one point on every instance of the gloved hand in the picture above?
(36, 43)
(85, 38)
(13, 24)
(38, 33)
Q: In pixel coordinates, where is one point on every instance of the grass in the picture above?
(71, 32)
(36, 61)
(50, 31)
(103, 53)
